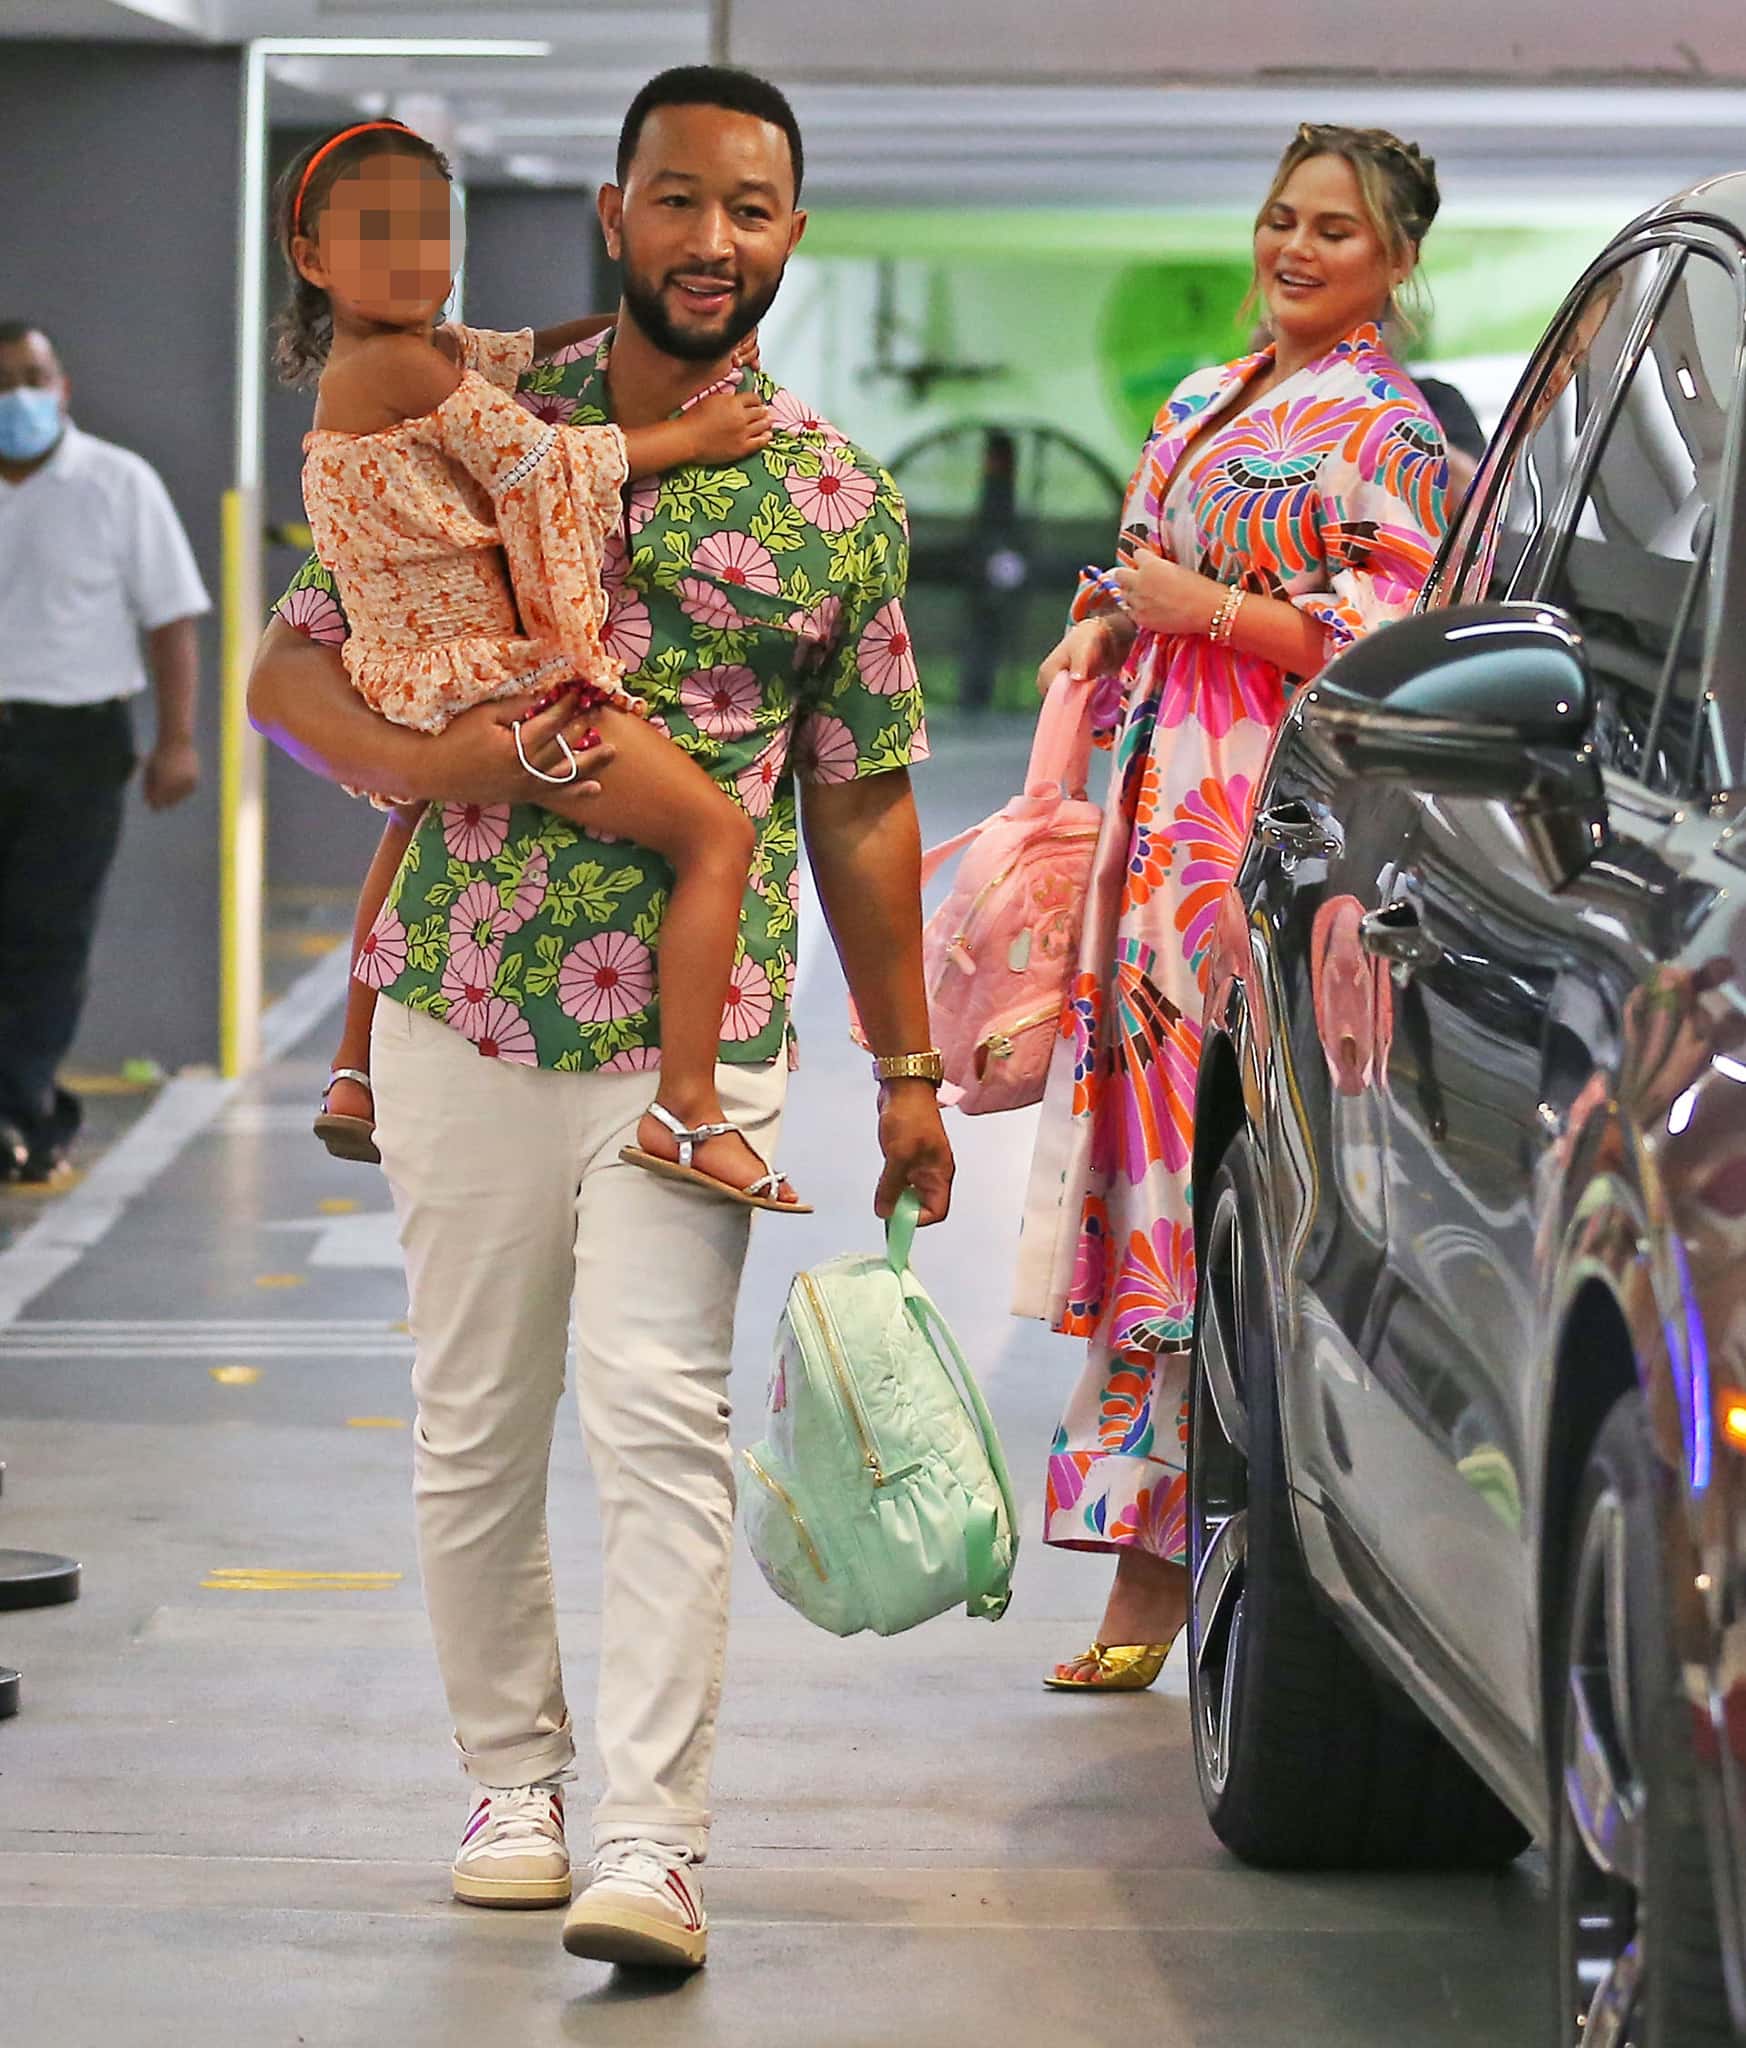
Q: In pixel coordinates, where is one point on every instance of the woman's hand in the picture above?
(1095, 647)
(1162, 596)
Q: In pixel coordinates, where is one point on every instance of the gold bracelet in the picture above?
(1225, 618)
(911, 1066)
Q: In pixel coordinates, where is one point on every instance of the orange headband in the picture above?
(333, 142)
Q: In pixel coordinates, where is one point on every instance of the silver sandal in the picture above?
(348, 1137)
(761, 1194)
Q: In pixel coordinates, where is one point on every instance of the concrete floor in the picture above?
(227, 1809)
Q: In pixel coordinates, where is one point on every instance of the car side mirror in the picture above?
(1490, 701)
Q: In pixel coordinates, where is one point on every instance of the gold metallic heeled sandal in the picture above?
(1111, 1667)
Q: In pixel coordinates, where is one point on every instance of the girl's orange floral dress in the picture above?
(467, 545)
(1327, 493)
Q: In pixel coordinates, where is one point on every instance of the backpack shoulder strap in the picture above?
(992, 1580)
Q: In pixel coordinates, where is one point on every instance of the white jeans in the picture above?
(512, 1202)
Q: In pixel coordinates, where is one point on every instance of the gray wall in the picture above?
(118, 165)
(533, 258)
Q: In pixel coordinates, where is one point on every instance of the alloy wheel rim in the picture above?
(1219, 1517)
(1605, 1799)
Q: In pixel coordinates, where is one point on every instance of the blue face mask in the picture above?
(30, 423)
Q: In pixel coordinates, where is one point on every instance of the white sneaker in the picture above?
(643, 1905)
(513, 1852)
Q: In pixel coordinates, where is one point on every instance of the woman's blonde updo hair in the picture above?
(1398, 183)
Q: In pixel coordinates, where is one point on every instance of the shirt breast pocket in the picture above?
(727, 603)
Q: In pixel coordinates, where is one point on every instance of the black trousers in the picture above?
(63, 777)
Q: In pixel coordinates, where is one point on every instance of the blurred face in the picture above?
(387, 244)
(703, 226)
(1322, 267)
(32, 365)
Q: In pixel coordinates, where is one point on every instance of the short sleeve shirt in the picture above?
(758, 609)
(92, 554)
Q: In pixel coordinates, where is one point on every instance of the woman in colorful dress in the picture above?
(1286, 503)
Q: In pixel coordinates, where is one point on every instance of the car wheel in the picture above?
(1639, 1960)
(1307, 1758)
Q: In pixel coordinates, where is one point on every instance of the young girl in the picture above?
(466, 539)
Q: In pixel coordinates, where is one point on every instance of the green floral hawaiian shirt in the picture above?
(758, 610)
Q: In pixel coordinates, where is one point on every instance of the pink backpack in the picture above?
(998, 954)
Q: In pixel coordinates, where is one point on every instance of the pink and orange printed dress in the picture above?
(1328, 493)
(467, 545)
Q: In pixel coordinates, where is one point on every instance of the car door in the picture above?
(1510, 995)
(1323, 845)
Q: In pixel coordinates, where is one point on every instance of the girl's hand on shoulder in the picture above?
(1160, 595)
(728, 426)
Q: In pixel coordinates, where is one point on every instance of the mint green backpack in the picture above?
(879, 1496)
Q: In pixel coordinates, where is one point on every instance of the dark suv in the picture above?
(1468, 1425)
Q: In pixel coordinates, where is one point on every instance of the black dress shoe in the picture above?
(43, 1161)
(14, 1152)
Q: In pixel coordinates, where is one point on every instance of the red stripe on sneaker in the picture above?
(481, 1815)
(677, 1885)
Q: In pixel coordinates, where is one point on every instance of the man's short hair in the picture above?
(712, 85)
(21, 330)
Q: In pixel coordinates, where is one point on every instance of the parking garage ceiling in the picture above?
(1153, 103)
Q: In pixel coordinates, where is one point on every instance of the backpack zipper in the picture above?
(998, 1045)
(787, 1500)
(827, 1331)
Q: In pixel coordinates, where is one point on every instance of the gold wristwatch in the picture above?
(911, 1066)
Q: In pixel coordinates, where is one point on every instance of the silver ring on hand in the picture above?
(574, 766)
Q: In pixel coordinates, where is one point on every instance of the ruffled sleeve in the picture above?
(1382, 510)
(501, 359)
(556, 495)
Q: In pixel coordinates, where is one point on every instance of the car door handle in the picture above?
(1395, 934)
(1292, 827)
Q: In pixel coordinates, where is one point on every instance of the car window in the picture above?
(1634, 565)
(1504, 521)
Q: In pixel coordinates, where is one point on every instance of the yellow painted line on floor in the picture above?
(375, 1422)
(61, 1182)
(278, 1279)
(235, 1375)
(111, 1084)
(337, 1205)
(301, 945)
(268, 1579)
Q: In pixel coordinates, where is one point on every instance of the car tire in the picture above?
(1307, 1758)
(1639, 1958)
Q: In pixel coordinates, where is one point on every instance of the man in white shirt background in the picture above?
(99, 595)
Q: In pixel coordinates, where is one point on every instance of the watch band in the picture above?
(911, 1066)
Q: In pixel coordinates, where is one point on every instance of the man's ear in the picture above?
(610, 207)
(798, 230)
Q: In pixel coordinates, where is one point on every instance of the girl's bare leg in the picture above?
(658, 796)
(347, 1098)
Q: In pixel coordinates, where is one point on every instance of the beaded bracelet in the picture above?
(1225, 618)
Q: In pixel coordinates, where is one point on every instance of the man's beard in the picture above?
(648, 308)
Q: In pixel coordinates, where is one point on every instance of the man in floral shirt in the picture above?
(759, 610)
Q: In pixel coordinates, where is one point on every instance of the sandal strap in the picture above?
(690, 1136)
(767, 1185)
(349, 1074)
